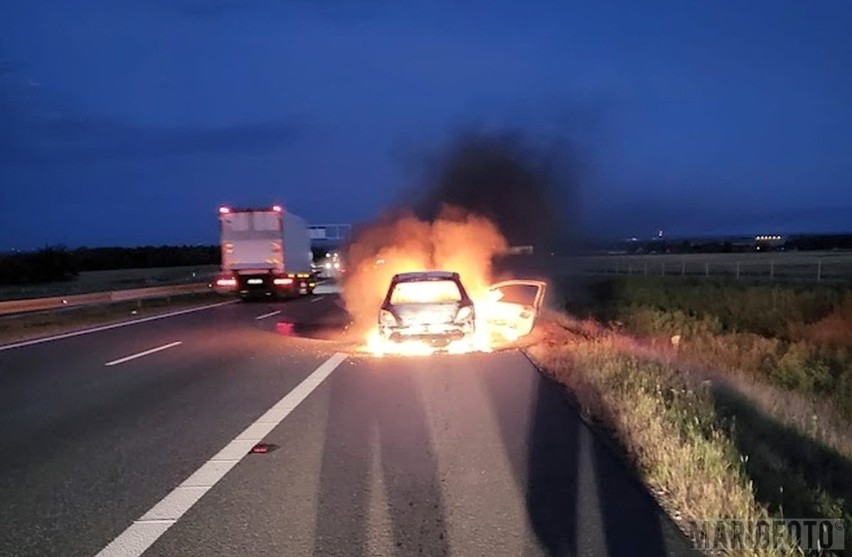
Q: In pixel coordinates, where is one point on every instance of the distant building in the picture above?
(768, 242)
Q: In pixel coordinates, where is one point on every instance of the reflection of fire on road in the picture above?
(457, 241)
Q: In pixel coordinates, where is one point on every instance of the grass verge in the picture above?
(15, 328)
(703, 445)
(794, 337)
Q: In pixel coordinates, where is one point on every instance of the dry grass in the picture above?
(797, 338)
(707, 443)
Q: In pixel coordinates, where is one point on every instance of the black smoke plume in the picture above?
(524, 186)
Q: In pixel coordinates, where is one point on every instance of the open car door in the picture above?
(514, 306)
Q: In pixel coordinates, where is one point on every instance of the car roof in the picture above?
(426, 275)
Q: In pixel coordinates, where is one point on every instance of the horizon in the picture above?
(582, 240)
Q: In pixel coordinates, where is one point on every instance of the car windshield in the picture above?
(425, 292)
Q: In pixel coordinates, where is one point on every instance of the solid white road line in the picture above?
(317, 299)
(270, 314)
(145, 353)
(140, 535)
(108, 327)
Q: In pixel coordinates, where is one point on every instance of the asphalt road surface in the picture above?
(138, 438)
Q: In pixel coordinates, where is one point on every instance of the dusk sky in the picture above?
(127, 123)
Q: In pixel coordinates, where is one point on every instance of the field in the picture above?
(732, 399)
(828, 266)
(100, 281)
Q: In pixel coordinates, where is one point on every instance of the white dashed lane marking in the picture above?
(145, 353)
(270, 314)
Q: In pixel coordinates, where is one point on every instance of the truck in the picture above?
(266, 252)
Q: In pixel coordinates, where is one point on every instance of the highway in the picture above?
(138, 438)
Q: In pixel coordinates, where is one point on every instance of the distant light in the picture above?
(224, 210)
(277, 208)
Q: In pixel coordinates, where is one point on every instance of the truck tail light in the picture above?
(465, 313)
(387, 319)
(226, 281)
(285, 281)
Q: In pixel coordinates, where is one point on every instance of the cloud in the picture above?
(36, 132)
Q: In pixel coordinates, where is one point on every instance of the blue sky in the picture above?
(129, 122)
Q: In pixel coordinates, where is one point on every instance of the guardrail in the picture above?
(95, 298)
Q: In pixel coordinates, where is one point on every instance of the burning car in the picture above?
(431, 307)
(431, 310)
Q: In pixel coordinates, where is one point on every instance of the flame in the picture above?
(457, 241)
(379, 346)
(425, 292)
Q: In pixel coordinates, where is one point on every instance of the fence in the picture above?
(826, 267)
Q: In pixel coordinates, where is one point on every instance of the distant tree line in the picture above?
(101, 259)
(49, 264)
(820, 242)
(58, 263)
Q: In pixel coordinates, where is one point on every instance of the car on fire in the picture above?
(432, 307)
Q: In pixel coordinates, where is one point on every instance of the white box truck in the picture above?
(265, 253)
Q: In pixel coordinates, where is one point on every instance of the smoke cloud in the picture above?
(524, 185)
(483, 194)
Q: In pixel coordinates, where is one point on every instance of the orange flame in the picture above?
(457, 241)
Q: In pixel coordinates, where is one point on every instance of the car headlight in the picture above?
(465, 313)
(387, 319)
